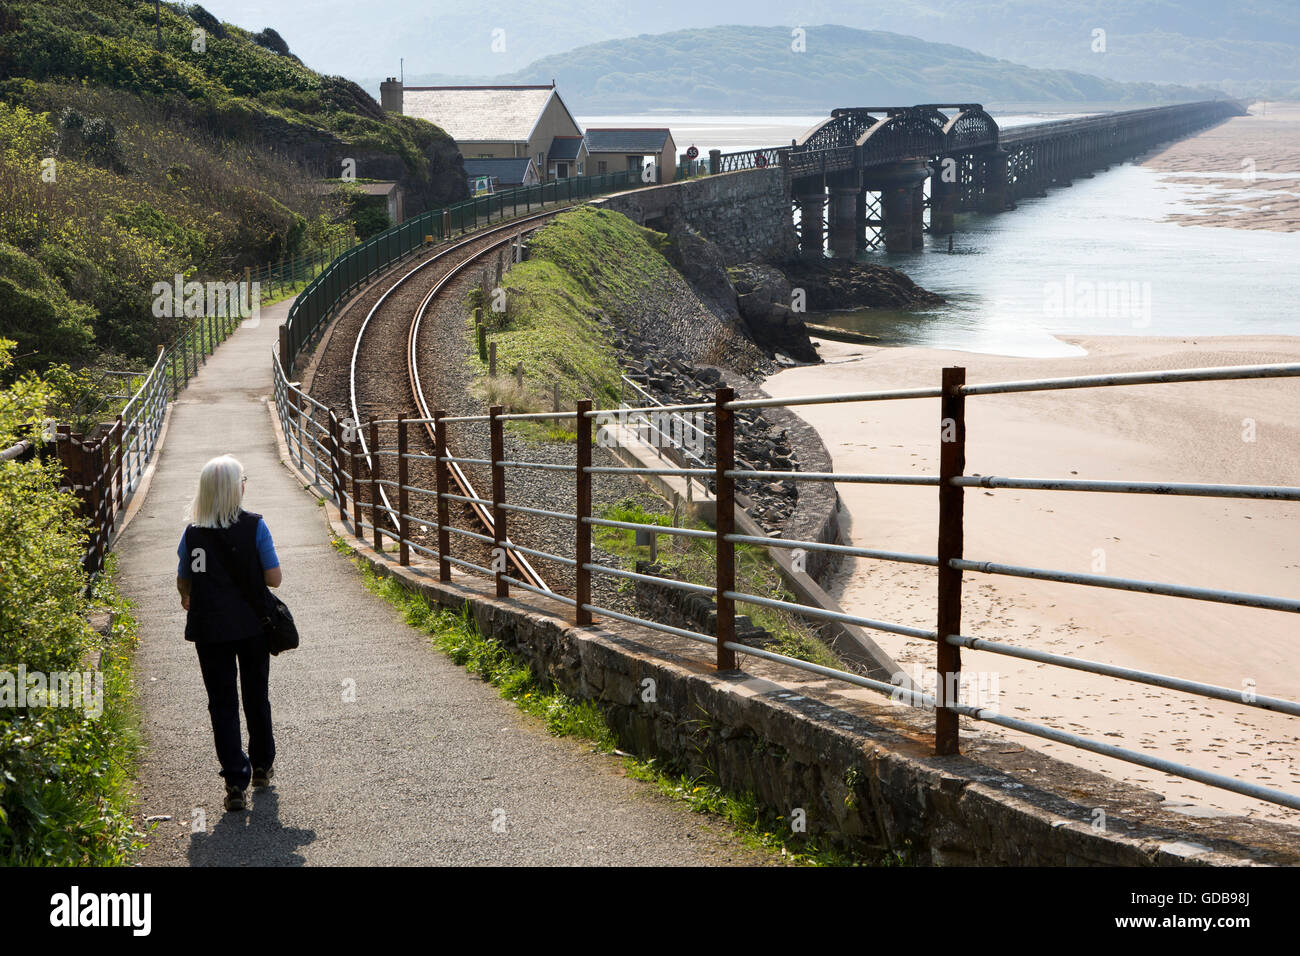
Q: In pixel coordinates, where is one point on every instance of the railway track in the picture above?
(455, 261)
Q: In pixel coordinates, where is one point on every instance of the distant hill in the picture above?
(761, 68)
(1246, 47)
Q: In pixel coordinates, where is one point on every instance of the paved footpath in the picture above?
(409, 773)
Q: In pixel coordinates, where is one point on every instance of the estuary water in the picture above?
(1096, 258)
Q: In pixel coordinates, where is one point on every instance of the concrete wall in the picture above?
(746, 213)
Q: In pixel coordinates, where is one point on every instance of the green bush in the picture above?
(65, 773)
(37, 314)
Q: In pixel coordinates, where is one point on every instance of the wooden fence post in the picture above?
(441, 469)
(724, 523)
(952, 462)
(498, 454)
(582, 548)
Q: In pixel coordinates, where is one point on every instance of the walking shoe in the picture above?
(234, 797)
(262, 776)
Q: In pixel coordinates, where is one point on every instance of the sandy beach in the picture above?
(1245, 172)
(1245, 432)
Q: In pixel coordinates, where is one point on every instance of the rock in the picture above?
(702, 264)
(833, 284)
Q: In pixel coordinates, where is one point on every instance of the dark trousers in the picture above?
(218, 663)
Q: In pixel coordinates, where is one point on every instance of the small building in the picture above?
(498, 122)
(387, 195)
(611, 149)
(567, 157)
(503, 173)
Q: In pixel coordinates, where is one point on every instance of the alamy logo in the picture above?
(972, 688)
(195, 300)
(75, 908)
(656, 429)
(56, 689)
(1085, 299)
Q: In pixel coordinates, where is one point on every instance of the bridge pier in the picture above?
(812, 227)
(846, 206)
(993, 180)
(918, 215)
(943, 201)
(902, 202)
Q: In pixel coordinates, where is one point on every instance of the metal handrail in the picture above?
(948, 483)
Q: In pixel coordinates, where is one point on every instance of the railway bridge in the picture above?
(872, 175)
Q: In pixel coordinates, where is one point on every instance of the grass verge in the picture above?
(457, 636)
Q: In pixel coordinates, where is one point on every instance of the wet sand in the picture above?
(1246, 172)
(1245, 432)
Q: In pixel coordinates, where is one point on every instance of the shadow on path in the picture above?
(251, 837)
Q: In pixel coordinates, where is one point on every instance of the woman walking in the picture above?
(227, 560)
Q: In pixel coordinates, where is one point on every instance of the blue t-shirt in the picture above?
(265, 551)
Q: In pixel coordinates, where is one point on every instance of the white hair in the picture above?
(220, 495)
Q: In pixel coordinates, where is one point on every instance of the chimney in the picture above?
(390, 95)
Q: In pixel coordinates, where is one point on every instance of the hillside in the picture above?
(126, 161)
(752, 68)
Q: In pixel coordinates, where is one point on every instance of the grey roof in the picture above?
(508, 172)
(609, 140)
(564, 149)
(479, 114)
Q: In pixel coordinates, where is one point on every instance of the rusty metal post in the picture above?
(121, 475)
(952, 462)
(444, 511)
(336, 464)
(91, 478)
(375, 505)
(354, 452)
(403, 498)
(724, 523)
(582, 544)
(498, 455)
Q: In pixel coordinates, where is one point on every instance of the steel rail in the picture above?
(1214, 374)
(1280, 704)
(1173, 488)
(1266, 602)
(512, 229)
(413, 371)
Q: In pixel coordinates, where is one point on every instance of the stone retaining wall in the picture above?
(746, 213)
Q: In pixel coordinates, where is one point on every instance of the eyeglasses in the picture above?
(244, 479)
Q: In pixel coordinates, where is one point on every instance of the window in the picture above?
(600, 167)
